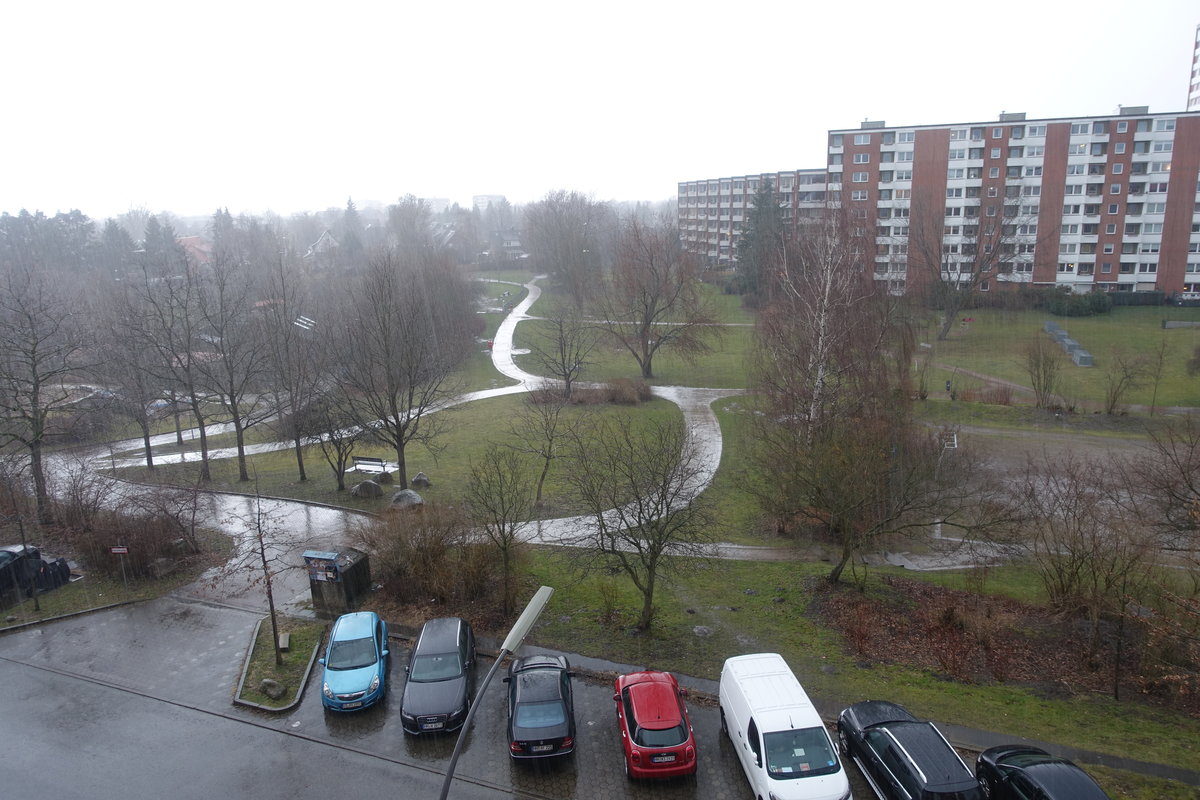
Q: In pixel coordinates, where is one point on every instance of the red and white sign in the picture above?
(120, 550)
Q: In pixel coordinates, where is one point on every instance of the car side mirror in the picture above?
(507, 679)
(386, 653)
(321, 661)
(683, 692)
(571, 673)
(406, 669)
(617, 698)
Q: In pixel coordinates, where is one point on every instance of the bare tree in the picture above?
(295, 356)
(639, 485)
(957, 250)
(327, 422)
(41, 348)
(1042, 363)
(653, 300)
(407, 329)
(1124, 373)
(565, 233)
(563, 345)
(539, 430)
(170, 326)
(1158, 363)
(500, 499)
(235, 365)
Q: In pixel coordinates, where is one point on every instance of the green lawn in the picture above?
(994, 343)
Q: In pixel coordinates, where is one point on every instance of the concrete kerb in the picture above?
(237, 697)
(24, 625)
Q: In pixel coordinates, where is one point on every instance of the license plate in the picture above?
(432, 726)
(662, 759)
(355, 704)
(542, 748)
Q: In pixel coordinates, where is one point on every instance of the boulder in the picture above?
(421, 481)
(406, 498)
(272, 688)
(366, 489)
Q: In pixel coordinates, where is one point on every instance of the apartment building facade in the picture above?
(1093, 203)
(711, 212)
(1193, 101)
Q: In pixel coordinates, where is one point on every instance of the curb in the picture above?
(237, 697)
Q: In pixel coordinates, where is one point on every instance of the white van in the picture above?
(780, 739)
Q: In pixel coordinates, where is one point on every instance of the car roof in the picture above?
(944, 770)
(1063, 779)
(358, 625)
(869, 713)
(655, 699)
(439, 635)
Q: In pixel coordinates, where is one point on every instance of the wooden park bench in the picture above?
(369, 464)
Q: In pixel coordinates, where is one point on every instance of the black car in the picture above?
(902, 757)
(441, 677)
(1018, 772)
(541, 707)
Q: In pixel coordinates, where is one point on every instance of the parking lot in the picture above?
(188, 655)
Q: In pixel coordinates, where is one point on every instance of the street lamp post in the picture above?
(515, 636)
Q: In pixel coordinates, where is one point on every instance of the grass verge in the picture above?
(305, 636)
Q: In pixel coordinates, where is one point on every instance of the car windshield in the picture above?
(662, 737)
(437, 667)
(351, 654)
(540, 715)
(799, 753)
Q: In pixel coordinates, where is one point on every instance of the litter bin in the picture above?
(337, 580)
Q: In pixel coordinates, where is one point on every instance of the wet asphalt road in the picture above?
(136, 701)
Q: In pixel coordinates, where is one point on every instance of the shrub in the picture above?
(624, 391)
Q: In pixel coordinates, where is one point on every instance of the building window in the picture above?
(904, 155)
(1037, 130)
(955, 174)
(1033, 172)
(1030, 191)
(1077, 149)
(1110, 228)
(993, 172)
(1147, 269)
(858, 194)
(1066, 266)
(1117, 169)
(1027, 230)
(889, 137)
(976, 134)
(1076, 169)
(885, 176)
(1119, 148)
(1123, 126)
(835, 160)
(1164, 125)
(835, 140)
(1108, 249)
(954, 192)
(1157, 188)
(1099, 148)
(991, 211)
(957, 153)
(995, 152)
(1016, 152)
(997, 133)
(885, 194)
(859, 177)
(1163, 147)
(1114, 188)
(887, 157)
(974, 173)
(1156, 208)
(1160, 166)
(1070, 230)
(904, 174)
(958, 134)
(1034, 151)
(862, 158)
(1141, 147)
(902, 194)
(1152, 227)
(862, 138)
(906, 136)
(1030, 211)
(993, 191)
(1113, 208)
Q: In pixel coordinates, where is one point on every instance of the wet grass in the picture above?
(305, 636)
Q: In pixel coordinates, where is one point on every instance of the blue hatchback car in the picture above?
(356, 662)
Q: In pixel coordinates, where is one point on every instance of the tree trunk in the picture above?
(145, 425)
(299, 447)
(647, 604)
(39, 482)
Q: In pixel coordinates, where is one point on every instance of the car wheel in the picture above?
(986, 785)
(724, 727)
(843, 744)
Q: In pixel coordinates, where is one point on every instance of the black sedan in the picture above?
(441, 677)
(541, 707)
(1019, 771)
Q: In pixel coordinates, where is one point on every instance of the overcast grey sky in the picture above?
(291, 106)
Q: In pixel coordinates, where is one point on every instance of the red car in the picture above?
(655, 730)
